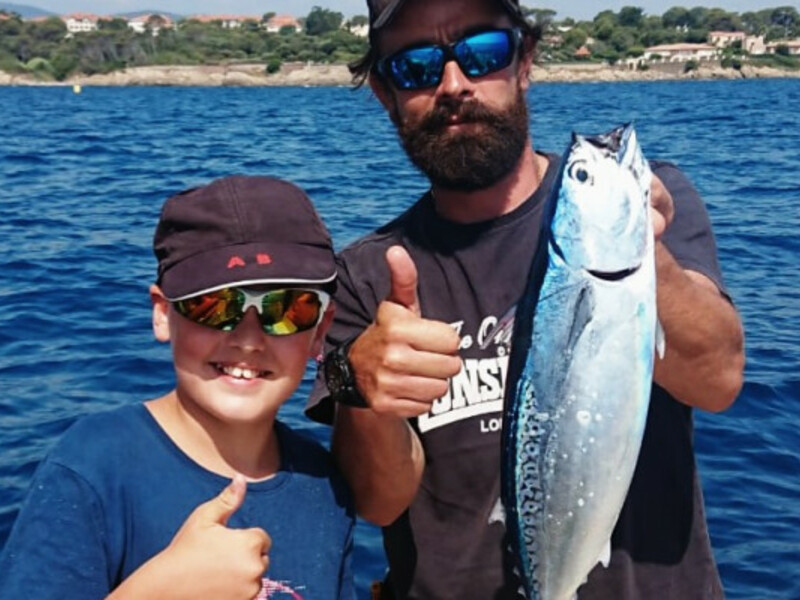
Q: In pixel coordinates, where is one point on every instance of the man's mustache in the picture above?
(471, 111)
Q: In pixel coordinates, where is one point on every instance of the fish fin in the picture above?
(498, 514)
(582, 315)
(501, 333)
(605, 555)
(661, 341)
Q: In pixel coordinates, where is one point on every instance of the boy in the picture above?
(120, 508)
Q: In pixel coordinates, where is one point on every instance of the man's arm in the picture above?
(703, 363)
(704, 360)
(402, 363)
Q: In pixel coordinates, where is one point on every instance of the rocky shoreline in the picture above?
(302, 74)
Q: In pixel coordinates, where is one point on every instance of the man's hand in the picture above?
(402, 362)
(205, 559)
(662, 207)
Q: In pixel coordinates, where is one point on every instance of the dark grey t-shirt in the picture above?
(451, 541)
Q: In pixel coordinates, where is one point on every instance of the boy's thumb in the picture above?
(219, 509)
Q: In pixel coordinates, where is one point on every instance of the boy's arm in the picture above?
(205, 559)
(56, 547)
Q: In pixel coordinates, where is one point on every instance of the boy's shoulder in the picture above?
(300, 448)
(100, 437)
(304, 456)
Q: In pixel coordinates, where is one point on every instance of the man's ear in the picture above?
(318, 343)
(160, 314)
(383, 91)
(526, 60)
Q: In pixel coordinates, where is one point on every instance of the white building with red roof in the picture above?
(278, 22)
(681, 52)
(80, 22)
(155, 22)
(227, 21)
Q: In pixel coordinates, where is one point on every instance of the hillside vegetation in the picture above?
(45, 49)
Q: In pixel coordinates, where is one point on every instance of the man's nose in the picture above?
(454, 82)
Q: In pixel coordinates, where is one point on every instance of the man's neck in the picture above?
(497, 200)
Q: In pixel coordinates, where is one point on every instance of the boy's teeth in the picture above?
(240, 372)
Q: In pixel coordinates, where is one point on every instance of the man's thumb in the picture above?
(218, 510)
(403, 274)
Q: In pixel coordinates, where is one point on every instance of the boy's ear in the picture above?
(160, 314)
(318, 343)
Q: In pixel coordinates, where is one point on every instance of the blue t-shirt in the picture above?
(116, 489)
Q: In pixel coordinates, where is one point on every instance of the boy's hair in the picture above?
(241, 230)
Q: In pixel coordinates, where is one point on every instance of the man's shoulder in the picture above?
(393, 232)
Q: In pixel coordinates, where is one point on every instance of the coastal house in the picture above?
(361, 31)
(754, 44)
(681, 52)
(582, 53)
(725, 39)
(80, 22)
(793, 46)
(154, 22)
(225, 21)
(278, 22)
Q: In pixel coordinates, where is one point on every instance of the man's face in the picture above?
(466, 133)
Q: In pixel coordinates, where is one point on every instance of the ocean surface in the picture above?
(83, 176)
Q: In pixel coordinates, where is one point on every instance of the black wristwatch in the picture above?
(339, 376)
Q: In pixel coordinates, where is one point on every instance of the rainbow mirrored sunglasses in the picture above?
(281, 312)
(478, 54)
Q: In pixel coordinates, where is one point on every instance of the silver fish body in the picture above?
(581, 365)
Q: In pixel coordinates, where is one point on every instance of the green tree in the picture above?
(359, 21)
(541, 16)
(718, 19)
(698, 18)
(575, 38)
(631, 16)
(115, 24)
(676, 17)
(322, 20)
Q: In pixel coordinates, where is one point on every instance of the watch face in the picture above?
(334, 375)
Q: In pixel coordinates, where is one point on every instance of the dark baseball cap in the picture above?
(382, 11)
(241, 230)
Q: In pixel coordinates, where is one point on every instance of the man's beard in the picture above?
(467, 161)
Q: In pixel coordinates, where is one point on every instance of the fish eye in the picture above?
(579, 173)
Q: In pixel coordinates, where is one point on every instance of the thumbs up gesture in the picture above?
(402, 362)
(205, 559)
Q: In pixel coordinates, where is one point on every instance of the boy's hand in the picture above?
(205, 559)
(227, 563)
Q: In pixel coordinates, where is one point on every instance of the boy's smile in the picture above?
(239, 377)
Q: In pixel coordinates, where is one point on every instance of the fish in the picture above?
(585, 335)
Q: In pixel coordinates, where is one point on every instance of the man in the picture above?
(416, 398)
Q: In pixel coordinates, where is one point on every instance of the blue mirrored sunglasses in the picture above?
(477, 54)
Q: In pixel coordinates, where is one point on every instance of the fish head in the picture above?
(601, 220)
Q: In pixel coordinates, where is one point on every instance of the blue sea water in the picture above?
(83, 176)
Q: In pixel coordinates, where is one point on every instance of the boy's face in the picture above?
(234, 377)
